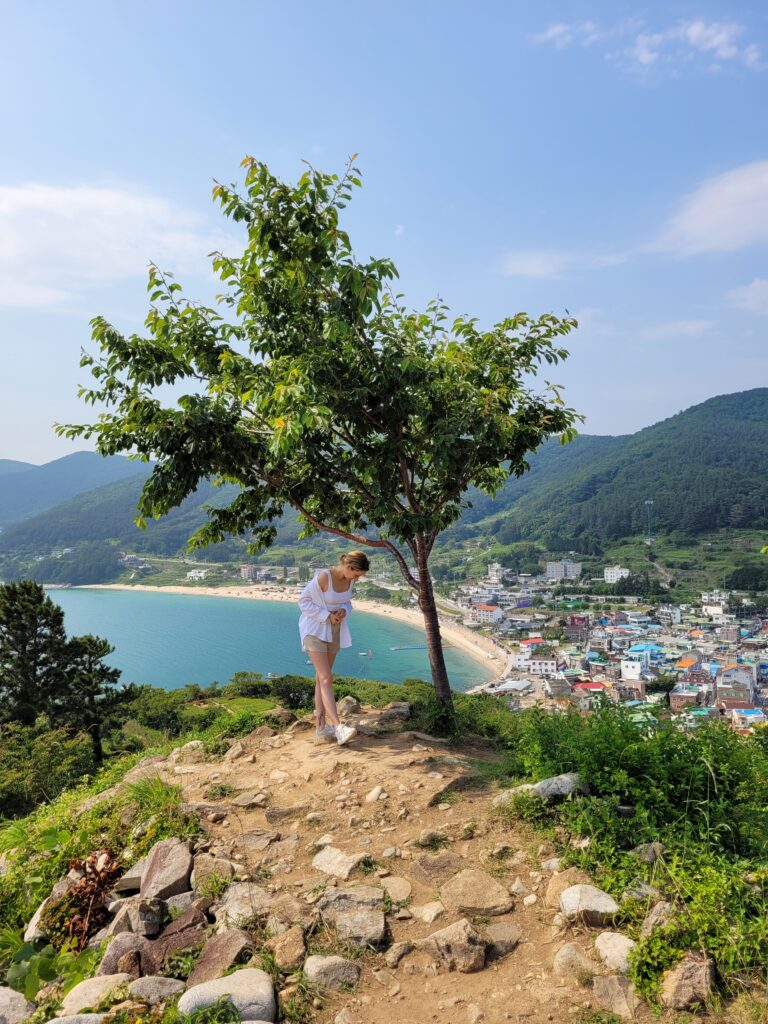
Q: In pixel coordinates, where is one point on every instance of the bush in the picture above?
(247, 684)
(37, 763)
(294, 692)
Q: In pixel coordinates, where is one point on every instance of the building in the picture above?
(614, 573)
(543, 664)
(669, 615)
(249, 572)
(684, 695)
(565, 569)
(197, 574)
(495, 572)
(486, 614)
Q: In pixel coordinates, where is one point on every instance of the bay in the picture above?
(170, 640)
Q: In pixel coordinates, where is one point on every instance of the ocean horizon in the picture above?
(171, 640)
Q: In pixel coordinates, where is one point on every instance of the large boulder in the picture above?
(88, 994)
(250, 990)
(155, 989)
(168, 869)
(137, 915)
(186, 932)
(330, 973)
(613, 948)
(13, 1006)
(688, 983)
(220, 952)
(459, 947)
(588, 904)
(125, 942)
(473, 891)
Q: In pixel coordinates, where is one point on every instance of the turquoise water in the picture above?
(170, 640)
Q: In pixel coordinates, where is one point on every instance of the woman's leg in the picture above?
(324, 675)
(319, 708)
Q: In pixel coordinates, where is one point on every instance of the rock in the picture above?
(13, 1006)
(429, 912)
(615, 994)
(250, 798)
(475, 1013)
(181, 903)
(77, 1018)
(186, 932)
(154, 989)
(123, 943)
(289, 948)
(473, 891)
(236, 750)
(396, 952)
(356, 914)
(374, 794)
(280, 715)
(330, 973)
(562, 881)
(459, 947)
(331, 861)
(219, 954)
(137, 915)
(640, 890)
(169, 865)
(348, 705)
(688, 983)
(661, 913)
(429, 838)
(241, 902)
(613, 948)
(649, 853)
(191, 753)
(436, 868)
(559, 787)
(399, 889)
(572, 962)
(284, 850)
(276, 814)
(257, 839)
(262, 733)
(502, 938)
(530, 900)
(553, 864)
(394, 712)
(89, 993)
(250, 990)
(206, 867)
(588, 904)
(33, 931)
(131, 880)
(130, 963)
(284, 911)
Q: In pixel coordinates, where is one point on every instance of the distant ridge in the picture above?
(12, 466)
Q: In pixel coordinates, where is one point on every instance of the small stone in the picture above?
(473, 891)
(518, 887)
(331, 861)
(649, 853)
(459, 947)
(236, 750)
(374, 794)
(429, 912)
(553, 864)
(330, 973)
(396, 952)
(503, 937)
(661, 913)
(475, 1013)
(571, 962)
(616, 994)
(530, 900)
(588, 904)
(687, 984)
(250, 798)
(613, 948)
(399, 889)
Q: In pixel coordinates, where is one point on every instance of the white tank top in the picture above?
(333, 598)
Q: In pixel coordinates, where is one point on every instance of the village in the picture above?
(691, 661)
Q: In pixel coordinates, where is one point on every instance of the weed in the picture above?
(265, 959)
(214, 886)
(181, 965)
(368, 865)
(219, 790)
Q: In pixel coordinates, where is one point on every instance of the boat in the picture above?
(420, 647)
(366, 654)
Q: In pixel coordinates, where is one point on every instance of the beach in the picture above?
(478, 647)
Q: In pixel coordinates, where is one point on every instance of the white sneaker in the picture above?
(344, 733)
(325, 732)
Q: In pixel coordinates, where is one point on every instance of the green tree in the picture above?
(33, 646)
(37, 762)
(92, 683)
(322, 390)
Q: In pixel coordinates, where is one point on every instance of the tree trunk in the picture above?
(432, 628)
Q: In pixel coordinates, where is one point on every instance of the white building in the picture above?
(543, 664)
(197, 574)
(486, 614)
(563, 570)
(614, 573)
(495, 572)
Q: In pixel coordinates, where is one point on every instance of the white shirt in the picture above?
(316, 605)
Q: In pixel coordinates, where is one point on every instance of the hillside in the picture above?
(32, 489)
(13, 466)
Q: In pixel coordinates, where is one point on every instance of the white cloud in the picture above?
(753, 298)
(636, 46)
(675, 329)
(536, 263)
(399, 231)
(56, 242)
(726, 213)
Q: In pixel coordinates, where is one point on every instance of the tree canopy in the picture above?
(322, 390)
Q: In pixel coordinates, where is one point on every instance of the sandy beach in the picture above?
(479, 647)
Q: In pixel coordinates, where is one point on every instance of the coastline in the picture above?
(477, 647)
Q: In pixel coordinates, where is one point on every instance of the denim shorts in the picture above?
(314, 643)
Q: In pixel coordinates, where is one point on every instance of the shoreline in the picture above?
(478, 647)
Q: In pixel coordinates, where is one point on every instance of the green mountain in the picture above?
(12, 466)
(29, 490)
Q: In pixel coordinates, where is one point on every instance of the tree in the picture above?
(33, 646)
(91, 683)
(322, 391)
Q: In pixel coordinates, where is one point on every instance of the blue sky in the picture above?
(608, 159)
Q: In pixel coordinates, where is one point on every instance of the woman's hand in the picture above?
(335, 617)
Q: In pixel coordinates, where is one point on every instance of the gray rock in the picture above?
(459, 947)
(616, 994)
(137, 915)
(428, 912)
(502, 937)
(123, 943)
(241, 902)
(613, 948)
(78, 1018)
(182, 902)
(250, 798)
(131, 880)
(274, 815)
(155, 989)
(236, 750)
(186, 932)
(330, 973)
(332, 861)
(34, 932)
(553, 864)
(90, 992)
(688, 983)
(572, 962)
(169, 865)
(560, 882)
(396, 952)
(661, 913)
(257, 839)
(436, 868)
(559, 787)
(206, 867)
(473, 891)
(250, 990)
(219, 954)
(399, 889)
(649, 853)
(356, 914)
(191, 753)
(348, 705)
(588, 904)
(13, 1006)
(640, 890)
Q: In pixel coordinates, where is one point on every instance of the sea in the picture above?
(170, 640)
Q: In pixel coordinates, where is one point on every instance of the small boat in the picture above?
(273, 675)
(366, 654)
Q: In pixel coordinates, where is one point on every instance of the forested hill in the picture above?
(12, 466)
(27, 490)
(704, 469)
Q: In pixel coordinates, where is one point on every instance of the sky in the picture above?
(607, 160)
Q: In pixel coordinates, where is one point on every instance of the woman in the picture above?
(325, 603)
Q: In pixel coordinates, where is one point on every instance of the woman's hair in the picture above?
(356, 560)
